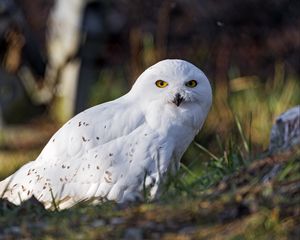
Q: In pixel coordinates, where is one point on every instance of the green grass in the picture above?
(226, 199)
(239, 207)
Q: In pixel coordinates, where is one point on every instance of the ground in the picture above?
(235, 198)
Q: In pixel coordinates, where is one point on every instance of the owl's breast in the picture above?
(169, 118)
(177, 126)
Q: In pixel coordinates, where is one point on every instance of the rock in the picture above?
(188, 230)
(117, 221)
(98, 223)
(285, 132)
(14, 230)
(133, 234)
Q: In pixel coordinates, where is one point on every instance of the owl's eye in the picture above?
(161, 84)
(191, 84)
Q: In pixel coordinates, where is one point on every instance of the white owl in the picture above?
(115, 149)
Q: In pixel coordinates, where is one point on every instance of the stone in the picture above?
(285, 132)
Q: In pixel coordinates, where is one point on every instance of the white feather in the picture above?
(106, 151)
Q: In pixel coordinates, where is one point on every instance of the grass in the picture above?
(228, 205)
(228, 198)
(255, 103)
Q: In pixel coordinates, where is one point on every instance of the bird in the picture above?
(114, 150)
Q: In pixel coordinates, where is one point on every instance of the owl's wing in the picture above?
(87, 141)
(94, 127)
(115, 170)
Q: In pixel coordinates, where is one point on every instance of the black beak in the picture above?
(178, 99)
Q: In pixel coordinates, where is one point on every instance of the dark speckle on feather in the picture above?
(107, 180)
(108, 177)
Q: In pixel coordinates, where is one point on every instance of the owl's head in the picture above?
(176, 82)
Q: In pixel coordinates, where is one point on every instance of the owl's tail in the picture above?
(14, 187)
(4, 187)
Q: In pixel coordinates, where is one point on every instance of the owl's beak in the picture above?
(178, 99)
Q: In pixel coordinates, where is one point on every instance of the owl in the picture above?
(114, 150)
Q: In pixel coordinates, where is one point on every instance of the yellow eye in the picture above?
(191, 84)
(161, 84)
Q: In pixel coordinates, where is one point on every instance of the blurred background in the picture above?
(59, 57)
